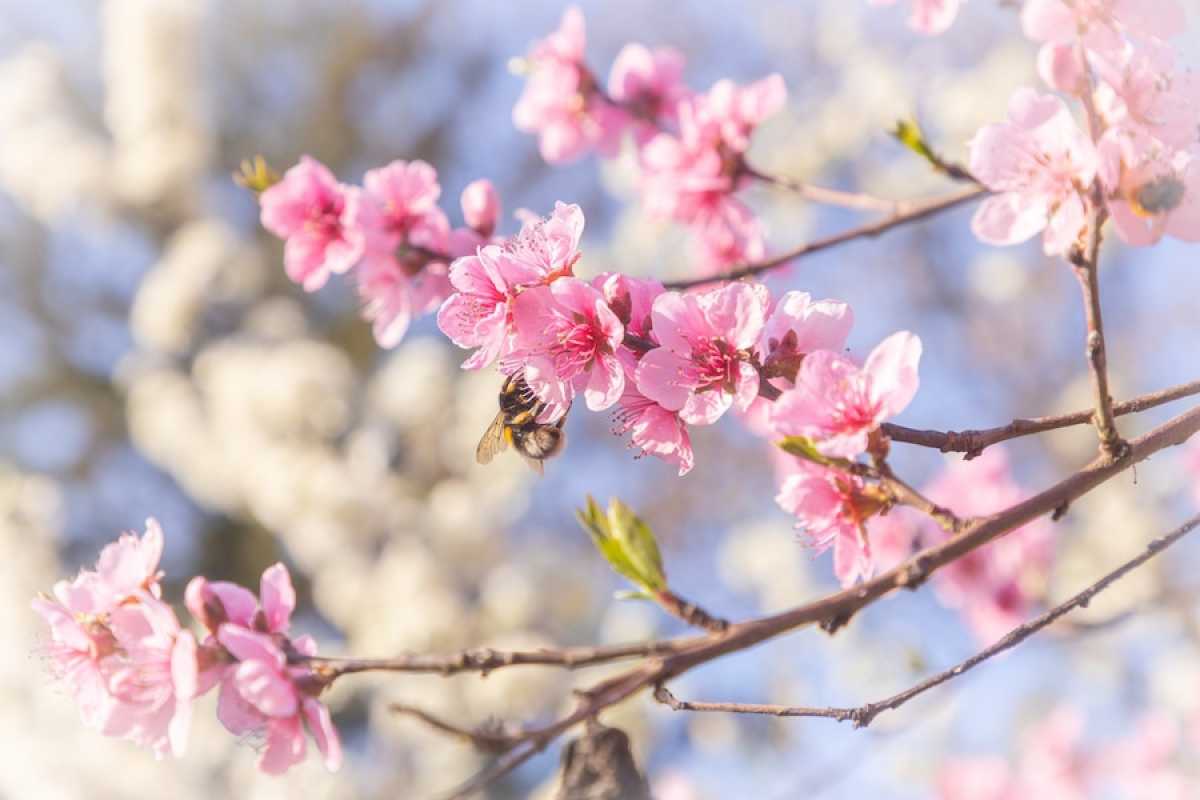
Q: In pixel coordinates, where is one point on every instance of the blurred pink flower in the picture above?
(1101, 23)
(1153, 191)
(478, 313)
(838, 404)
(561, 102)
(735, 111)
(481, 207)
(830, 511)
(1040, 164)
(702, 367)
(566, 341)
(930, 17)
(994, 586)
(1191, 463)
(1144, 91)
(975, 778)
(648, 85)
(307, 210)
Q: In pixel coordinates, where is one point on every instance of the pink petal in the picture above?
(278, 597)
(246, 645)
(658, 376)
(285, 746)
(1008, 219)
(264, 687)
(605, 383)
(892, 368)
(237, 715)
(320, 725)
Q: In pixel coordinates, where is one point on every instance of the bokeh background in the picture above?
(155, 361)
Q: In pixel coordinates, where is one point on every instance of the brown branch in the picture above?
(838, 608)
(863, 715)
(906, 213)
(822, 194)
(973, 442)
(485, 660)
(488, 739)
(689, 612)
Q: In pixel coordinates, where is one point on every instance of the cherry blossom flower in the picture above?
(1101, 23)
(798, 325)
(735, 111)
(395, 221)
(1153, 191)
(1146, 94)
(632, 300)
(1040, 163)
(975, 778)
(648, 85)
(838, 404)
(930, 17)
(481, 207)
(993, 586)
(566, 343)
(560, 102)
(652, 428)
(78, 642)
(263, 694)
(831, 510)
(152, 677)
(702, 367)
(478, 313)
(307, 210)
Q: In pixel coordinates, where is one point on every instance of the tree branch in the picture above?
(906, 212)
(973, 442)
(822, 194)
(864, 715)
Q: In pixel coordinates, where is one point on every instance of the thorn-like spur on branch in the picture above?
(973, 442)
(485, 660)
(863, 715)
(689, 612)
(906, 212)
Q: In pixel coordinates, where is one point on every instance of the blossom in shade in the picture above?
(995, 586)
(1153, 191)
(648, 85)
(831, 510)
(702, 367)
(838, 404)
(263, 694)
(930, 17)
(652, 429)
(478, 313)
(561, 102)
(566, 340)
(1040, 164)
(307, 210)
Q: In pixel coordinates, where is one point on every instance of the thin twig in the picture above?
(863, 715)
(484, 738)
(689, 612)
(973, 442)
(908, 212)
(822, 194)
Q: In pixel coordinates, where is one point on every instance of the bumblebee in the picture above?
(516, 424)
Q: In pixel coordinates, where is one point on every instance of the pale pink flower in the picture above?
(263, 694)
(1146, 93)
(307, 209)
(727, 233)
(648, 84)
(481, 207)
(566, 341)
(831, 511)
(1101, 23)
(838, 404)
(1060, 66)
(78, 642)
(975, 778)
(652, 429)
(216, 603)
(798, 325)
(478, 314)
(994, 586)
(930, 17)
(1153, 191)
(1040, 164)
(631, 299)
(702, 367)
(1142, 763)
(152, 676)
(561, 103)
(735, 111)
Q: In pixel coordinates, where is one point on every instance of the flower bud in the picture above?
(481, 206)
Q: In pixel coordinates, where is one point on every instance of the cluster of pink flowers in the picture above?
(1142, 146)
(691, 145)
(1054, 761)
(389, 233)
(134, 671)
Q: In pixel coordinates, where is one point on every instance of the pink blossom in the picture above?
(78, 642)
(648, 84)
(631, 299)
(152, 677)
(262, 693)
(735, 111)
(1101, 23)
(1153, 191)
(566, 343)
(1060, 66)
(1145, 92)
(831, 510)
(838, 404)
(560, 102)
(798, 325)
(216, 603)
(652, 428)
(993, 586)
(727, 233)
(1040, 164)
(930, 17)
(481, 207)
(975, 778)
(478, 313)
(702, 367)
(307, 210)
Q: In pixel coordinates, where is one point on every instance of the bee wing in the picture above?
(494, 440)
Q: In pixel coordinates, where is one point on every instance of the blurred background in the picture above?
(154, 360)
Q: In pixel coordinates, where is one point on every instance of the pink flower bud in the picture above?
(481, 206)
